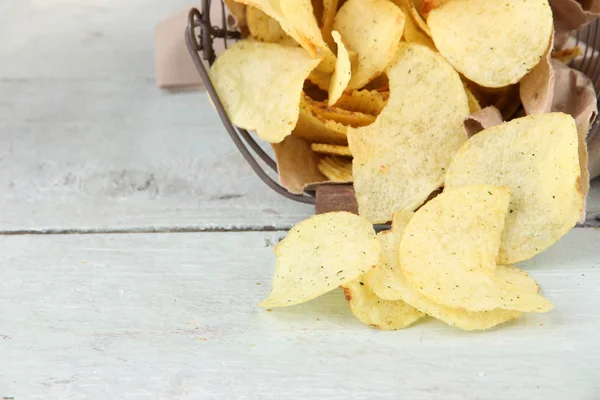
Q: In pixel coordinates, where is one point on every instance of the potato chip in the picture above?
(373, 29)
(264, 28)
(330, 8)
(331, 149)
(378, 84)
(412, 33)
(337, 169)
(267, 103)
(316, 128)
(473, 102)
(321, 79)
(472, 35)
(449, 248)
(319, 254)
(402, 158)
(388, 282)
(337, 114)
(363, 101)
(296, 18)
(537, 158)
(238, 11)
(418, 18)
(425, 6)
(343, 71)
(381, 314)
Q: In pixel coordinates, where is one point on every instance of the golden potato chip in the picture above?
(381, 314)
(472, 35)
(537, 158)
(412, 33)
(267, 103)
(373, 29)
(448, 252)
(238, 11)
(418, 18)
(402, 158)
(343, 71)
(363, 101)
(319, 254)
(296, 18)
(337, 114)
(337, 169)
(331, 149)
(388, 282)
(321, 79)
(330, 8)
(473, 102)
(378, 84)
(316, 128)
(567, 55)
(263, 27)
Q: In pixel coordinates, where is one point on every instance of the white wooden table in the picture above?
(136, 243)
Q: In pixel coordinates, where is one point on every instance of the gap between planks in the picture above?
(595, 223)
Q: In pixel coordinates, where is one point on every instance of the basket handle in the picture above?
(204, 44)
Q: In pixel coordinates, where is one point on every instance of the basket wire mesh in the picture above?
(200, 37)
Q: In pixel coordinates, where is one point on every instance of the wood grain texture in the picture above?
(174, 316)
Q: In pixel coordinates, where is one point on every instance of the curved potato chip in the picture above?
(373, 29)
(267, 103)
(388, 282)
(473, 102)
(330, 8)
(418, 18)
(402, 158)
(321, 79)
(364, 101)
(343, 71)
(412, 33)
(297, 19)
(264, 28)
(337, 169)
(337, 114)
(331, 149)
(319, 254)
(381, 314)
(537, 158)
(449, 248)
(471, 35)
(316, 128)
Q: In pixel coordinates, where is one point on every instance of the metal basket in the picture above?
(200, 36)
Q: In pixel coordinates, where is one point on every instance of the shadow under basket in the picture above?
(201, 37)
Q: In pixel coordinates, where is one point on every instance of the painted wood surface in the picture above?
(174, 316)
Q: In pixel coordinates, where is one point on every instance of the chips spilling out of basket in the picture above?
(402, 98)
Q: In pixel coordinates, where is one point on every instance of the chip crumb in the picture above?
(202, 339)
(542, 324)
(269, 309)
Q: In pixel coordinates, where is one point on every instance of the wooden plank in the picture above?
(174, 316)
(90, 143)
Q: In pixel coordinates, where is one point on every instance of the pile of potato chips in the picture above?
(403, 98)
